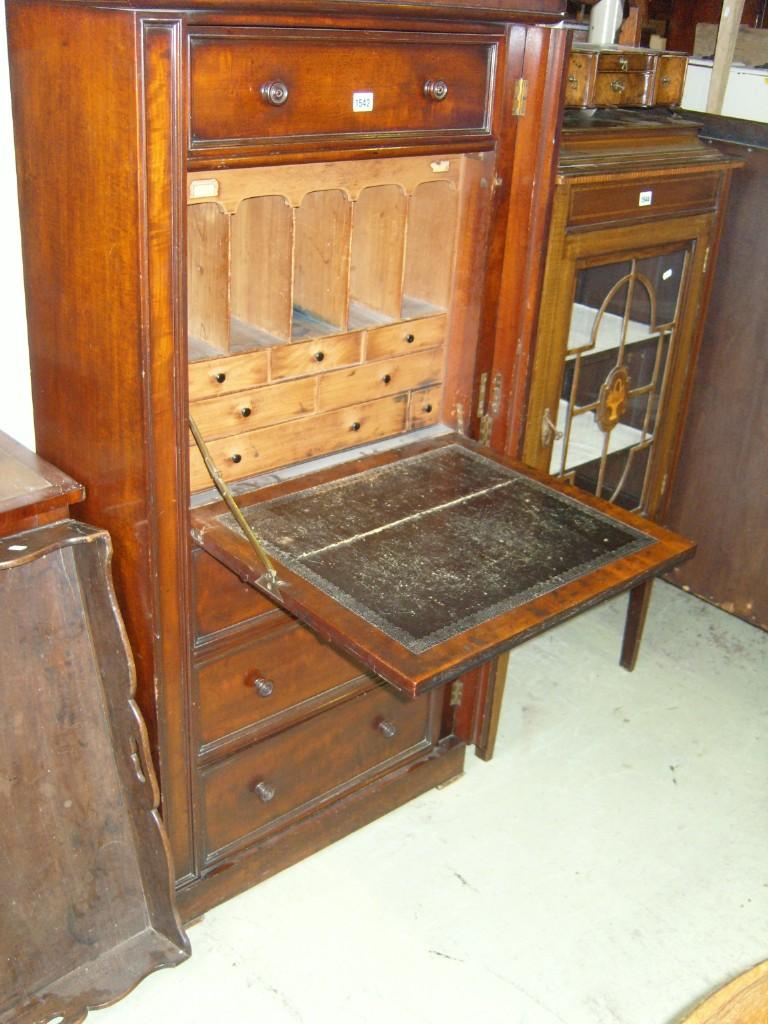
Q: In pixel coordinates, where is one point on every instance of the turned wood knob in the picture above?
(219, 377)
(435, 89)
(428, 407)
(355, 426)
(264, 792)
(263, 687)
(246, 411)
(319, 357)
(409, 339)
(387, 729)
(237, 457)
(387, 378)
(274, 93)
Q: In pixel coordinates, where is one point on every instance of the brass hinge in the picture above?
(706, 261)
(495, 403)
(457, 692)
(520, 97)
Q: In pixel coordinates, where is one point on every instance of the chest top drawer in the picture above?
(250, 87)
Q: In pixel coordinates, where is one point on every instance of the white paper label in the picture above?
(667, 274)
(646, 198)
(362, 102)
(203, 188)
(440, 166)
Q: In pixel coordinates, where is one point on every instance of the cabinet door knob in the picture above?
(435, 89)
(274, 93)
(387, 729)
(263, 687)
(264, 792)
(617, 85)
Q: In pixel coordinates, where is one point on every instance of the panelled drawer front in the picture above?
(323, 72)
(265, 678)
(222, 600)
(616, 89)
(597, 204)
(301, 765)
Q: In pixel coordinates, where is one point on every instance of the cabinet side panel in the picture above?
(74, 75)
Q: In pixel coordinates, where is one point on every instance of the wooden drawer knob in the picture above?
(264, 792)
(263, 687)
(435, 89)
(274, 93)
(409, 339)
(387, 729)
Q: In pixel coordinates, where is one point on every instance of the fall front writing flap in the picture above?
(425, 562)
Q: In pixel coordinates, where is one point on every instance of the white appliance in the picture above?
(605, 21)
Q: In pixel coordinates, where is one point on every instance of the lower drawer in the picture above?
(293, 772)
(264, 678)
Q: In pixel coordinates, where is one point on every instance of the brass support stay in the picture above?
(269, 580)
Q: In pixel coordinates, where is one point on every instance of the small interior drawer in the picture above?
(297, 768)
(597, 204)
(615, 89)
(264, 678)
(251, 86)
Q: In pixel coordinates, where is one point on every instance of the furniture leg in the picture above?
(633, 630)
(486, 740)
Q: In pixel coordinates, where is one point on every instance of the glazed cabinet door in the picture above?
(614, 359)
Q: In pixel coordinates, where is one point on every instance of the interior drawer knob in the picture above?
(274, 93)
(263, 687)
(387, 729)
(435, 89)
(264, 792)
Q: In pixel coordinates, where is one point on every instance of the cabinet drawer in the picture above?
(581, 71)
(626, 60)
(615, 89)
(225, 374)
(266, 677)
(299, 767)
(222, 600)
(403, 338)
(249, 86)
(670, 78)
(597, 204)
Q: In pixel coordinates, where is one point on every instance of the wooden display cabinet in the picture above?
(632, 249)
(295, 222)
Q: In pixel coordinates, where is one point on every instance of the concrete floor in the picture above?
(609, 865)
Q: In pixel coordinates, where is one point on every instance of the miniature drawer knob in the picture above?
(386, 378)
(573, 81)
(666, 80)
(387, 729)
(427, 407)
(319, 357)
(219, 377)
(355, 426)
(263, 687)
(409, 339)
(435, 89)
(237, 457)
(617, 85)
(246, 411)
(264, 792)
(623, 64)
(274, 93)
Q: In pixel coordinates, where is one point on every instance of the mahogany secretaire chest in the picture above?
(313, 227)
